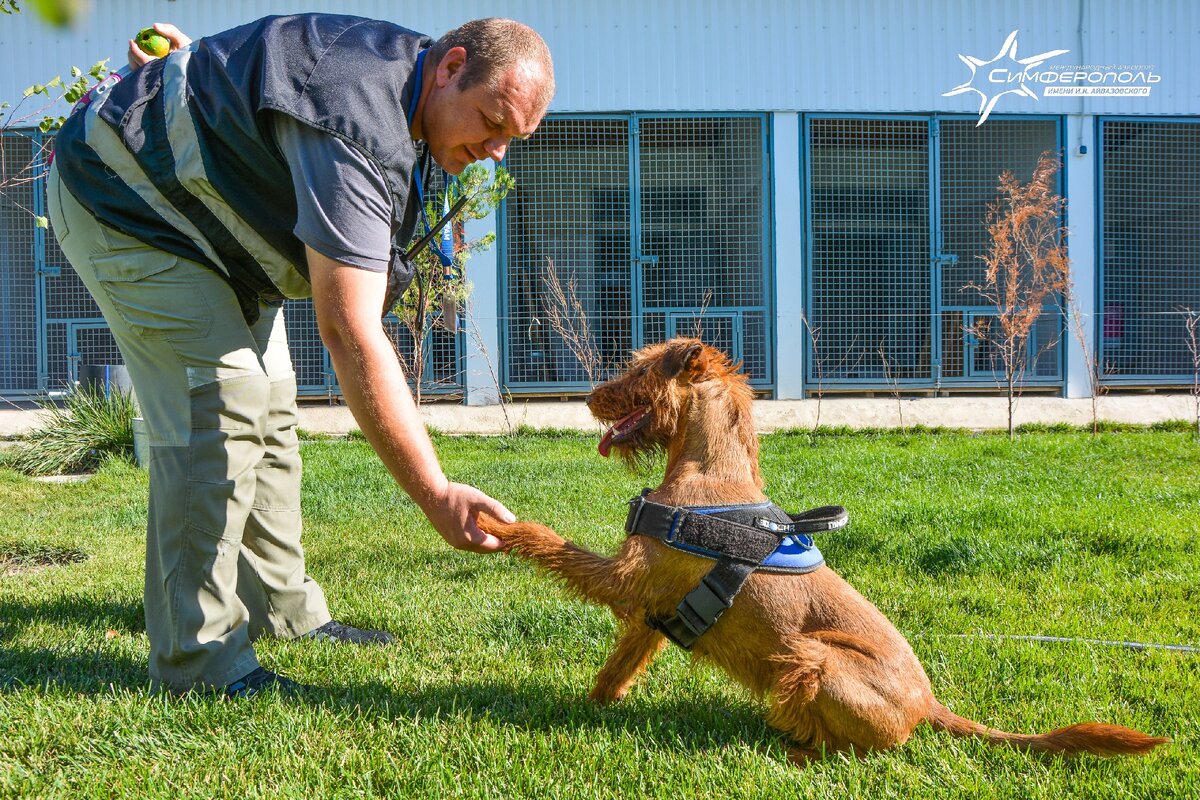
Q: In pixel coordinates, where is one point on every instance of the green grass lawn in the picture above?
(1055, 534)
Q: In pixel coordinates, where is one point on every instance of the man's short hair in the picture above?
(495, 45)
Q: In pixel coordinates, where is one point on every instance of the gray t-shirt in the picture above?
(344, 208)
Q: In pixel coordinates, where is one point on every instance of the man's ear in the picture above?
(450, 65)
(683, 359)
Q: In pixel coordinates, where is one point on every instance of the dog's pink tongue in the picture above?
(619, 427)
(606, 441)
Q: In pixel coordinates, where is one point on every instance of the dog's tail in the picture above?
(1097, 738)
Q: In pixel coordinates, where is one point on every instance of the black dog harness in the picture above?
(741, 539)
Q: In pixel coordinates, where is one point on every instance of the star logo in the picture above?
(1006, 62)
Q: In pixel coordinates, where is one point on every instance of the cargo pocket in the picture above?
(155, 293)
(225, 446)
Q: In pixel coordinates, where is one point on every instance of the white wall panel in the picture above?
(852, 56)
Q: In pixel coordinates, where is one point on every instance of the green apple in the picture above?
(152, 43)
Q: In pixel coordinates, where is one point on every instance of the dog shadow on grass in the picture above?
(696, 723)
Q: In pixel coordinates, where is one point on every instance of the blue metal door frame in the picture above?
(1098, 343)
(938, 258)
(503, 281)
(25, 267)
(809, 237)
(639, 259)
(42, 269)
(74, 356)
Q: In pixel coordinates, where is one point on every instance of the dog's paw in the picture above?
(523, 537)
(489, 524)
(604, 695)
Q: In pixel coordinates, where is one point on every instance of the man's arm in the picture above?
(347, 301)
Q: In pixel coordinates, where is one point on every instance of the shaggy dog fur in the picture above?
(836, 673)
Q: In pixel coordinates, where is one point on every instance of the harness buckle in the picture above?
(636, 506)
(698, 611)
(675, 630)
(637, 514)
(675, 517)
(706, 602)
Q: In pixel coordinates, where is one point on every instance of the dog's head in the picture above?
(647, 406)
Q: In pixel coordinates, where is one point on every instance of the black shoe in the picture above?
(334, 631)
(258, 681)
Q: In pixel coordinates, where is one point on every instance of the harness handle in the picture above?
(818, 520)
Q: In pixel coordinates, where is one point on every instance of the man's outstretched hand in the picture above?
(455, 515)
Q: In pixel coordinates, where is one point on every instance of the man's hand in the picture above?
(455, 515)
(176, 37)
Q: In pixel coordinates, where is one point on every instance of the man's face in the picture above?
(462, 127)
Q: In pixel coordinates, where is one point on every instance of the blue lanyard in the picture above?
(447, 243)
(416, 92)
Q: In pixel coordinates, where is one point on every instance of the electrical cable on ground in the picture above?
(1176, 648)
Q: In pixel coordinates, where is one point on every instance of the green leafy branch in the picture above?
(54, 90)
(36, 100)
(30, 111)
(59, 13)
(432, 296)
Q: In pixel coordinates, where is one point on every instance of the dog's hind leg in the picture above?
(836, 691)
(637, 647)
(796, 686)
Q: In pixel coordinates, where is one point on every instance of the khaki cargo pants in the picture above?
(223, 557)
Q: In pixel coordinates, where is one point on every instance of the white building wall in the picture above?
(1082, 187)
(702, 55)
(783, 56)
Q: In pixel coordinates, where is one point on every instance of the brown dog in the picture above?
(837, 673)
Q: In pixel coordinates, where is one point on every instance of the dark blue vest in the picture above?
(346, 75)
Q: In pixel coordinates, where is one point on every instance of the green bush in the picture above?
(89, 427)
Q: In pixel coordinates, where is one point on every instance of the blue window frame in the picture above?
(895, 210)
(1149, 249)
(650, 225)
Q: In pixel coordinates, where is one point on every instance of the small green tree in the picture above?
(435, 296)
(35, 103)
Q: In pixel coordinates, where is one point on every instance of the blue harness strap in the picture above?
(742, 539)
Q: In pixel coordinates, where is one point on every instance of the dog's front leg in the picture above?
(637, 647)
(593, 577)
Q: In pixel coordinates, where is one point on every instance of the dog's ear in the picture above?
(684, 358)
